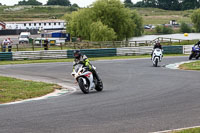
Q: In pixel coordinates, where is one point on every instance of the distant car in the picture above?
(147, 27)
(24, 37)
(153, 27)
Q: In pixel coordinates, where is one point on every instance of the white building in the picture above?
(43, 24)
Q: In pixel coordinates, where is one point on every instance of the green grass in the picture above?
(193, 130)
(164, 19)
(187, 42)
(160, 16)
(158, 12)
(34, 61)
(12, 89)
(71, 60)
(191, 66)
(153, 31)
(30, 13)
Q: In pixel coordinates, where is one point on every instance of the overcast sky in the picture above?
(81, 3)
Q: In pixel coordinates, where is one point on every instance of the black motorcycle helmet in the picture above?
(158, 43)
(77, 54)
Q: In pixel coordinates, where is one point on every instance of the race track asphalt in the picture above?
(137, 98)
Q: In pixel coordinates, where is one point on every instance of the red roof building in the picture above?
(2, 25)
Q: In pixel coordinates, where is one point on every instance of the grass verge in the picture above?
(190, 66)
(71, 60)
(193, 130)
(12, 89)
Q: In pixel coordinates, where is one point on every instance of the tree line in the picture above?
(162, 4)
(49, 2)
(165, 4)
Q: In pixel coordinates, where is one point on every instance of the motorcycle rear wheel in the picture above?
(99, 86)
(197, 56)
(191, 56)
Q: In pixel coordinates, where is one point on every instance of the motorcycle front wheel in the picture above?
(83, 86)
(156, 63)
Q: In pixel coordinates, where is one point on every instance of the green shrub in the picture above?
(158, 29)
(185, 28)
(196, 19)
(193, 30)
(167, 30)
(186, 15)
(163, 30)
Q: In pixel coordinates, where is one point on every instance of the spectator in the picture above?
(9, 45)
(4, 44)
(46, 44)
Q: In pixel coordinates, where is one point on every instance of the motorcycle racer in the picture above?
(82, 59)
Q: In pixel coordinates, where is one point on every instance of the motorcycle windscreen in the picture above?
(77, 67)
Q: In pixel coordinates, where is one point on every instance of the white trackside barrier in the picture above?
(187, 49)
(33, 55)
(134, 50)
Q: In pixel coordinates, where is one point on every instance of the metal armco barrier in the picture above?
(173, 49)
(148, 49)
(6, 56)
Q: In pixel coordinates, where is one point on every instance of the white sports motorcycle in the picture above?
(157, 56)
(86, 80)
